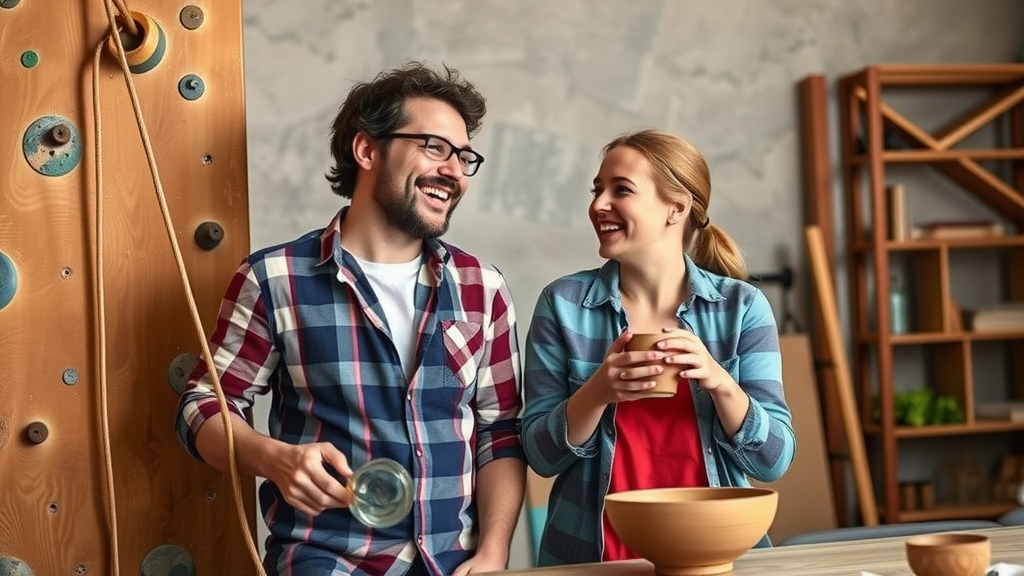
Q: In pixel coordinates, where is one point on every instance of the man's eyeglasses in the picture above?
(438, 148)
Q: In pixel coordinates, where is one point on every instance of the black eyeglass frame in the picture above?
(469, 167)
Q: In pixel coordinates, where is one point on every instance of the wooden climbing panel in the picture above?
(67, 371)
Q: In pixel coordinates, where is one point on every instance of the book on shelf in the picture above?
(955, 315)
(1005, 317)
(1011, 410)
(899, 218)
(956, 229)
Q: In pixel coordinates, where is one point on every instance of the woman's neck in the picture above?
(652, 294)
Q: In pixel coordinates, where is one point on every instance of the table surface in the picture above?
(882, 556)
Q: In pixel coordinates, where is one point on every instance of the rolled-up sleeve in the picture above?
(765, 444)
(547, 385)
(244, 355)
(499, 402)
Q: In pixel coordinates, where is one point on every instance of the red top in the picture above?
(657, 445)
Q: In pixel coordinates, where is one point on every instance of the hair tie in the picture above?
(703, 225)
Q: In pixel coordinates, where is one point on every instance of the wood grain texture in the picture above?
(53, 504)
(885, 556)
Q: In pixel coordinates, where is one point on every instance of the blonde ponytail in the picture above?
(714, 250)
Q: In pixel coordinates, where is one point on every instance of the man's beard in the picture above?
(400, 207)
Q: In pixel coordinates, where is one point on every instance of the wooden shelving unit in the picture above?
(865, 119)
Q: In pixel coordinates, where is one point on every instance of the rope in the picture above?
(126, 15)
(183, 274)
(108, 464)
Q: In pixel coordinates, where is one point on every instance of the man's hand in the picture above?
(300, 475)
(479, 564)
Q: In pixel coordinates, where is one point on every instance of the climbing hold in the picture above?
(179, 370)
(209, 235)
(10, 566)
(37, 432)
(29, 58)
(52, 146)
(191, 87)
(8, 281)
(144, 51)
(168, 560)
(69, 377)
(191, 17)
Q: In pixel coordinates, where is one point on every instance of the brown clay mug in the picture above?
(667, 382)
(949, 554)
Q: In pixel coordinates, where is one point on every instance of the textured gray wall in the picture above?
(561, 79)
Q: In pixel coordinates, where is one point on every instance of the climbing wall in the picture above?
(60, 260)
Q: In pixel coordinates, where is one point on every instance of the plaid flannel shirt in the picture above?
(301, 322)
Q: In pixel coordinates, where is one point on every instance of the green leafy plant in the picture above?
(922, 407)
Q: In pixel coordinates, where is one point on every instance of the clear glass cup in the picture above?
(383, 493)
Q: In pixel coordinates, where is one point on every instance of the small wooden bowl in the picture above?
(949, 554)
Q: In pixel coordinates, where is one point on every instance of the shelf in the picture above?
(979, 148)
(939, 430)
(951, 512)
(936, 156)
(953, 75)
(919, 338)
(979, 243)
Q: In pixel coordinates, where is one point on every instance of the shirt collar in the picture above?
(605, 287)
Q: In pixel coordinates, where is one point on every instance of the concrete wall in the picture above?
(561, 79)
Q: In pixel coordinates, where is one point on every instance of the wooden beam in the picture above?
(979, 116)
(949, 74)
(825, 292)
(817, 184)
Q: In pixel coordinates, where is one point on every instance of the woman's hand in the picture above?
(624, 375)
(685, 349)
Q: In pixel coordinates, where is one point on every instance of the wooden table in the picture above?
(883, 556)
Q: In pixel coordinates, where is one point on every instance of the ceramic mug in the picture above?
(667, 382)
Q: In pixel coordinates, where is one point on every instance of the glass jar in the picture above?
(382, 491)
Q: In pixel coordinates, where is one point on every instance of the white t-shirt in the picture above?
(395, 287)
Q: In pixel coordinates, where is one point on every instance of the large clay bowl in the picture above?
(692, 531)
(949, 554)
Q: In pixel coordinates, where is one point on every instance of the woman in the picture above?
(669, 269)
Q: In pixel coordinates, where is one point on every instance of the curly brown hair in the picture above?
(376, 109)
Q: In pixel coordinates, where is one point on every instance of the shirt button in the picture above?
(419, 453)
(409, 396)
(419, 539)
(709, 449)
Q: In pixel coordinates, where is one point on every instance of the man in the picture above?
(376, 340)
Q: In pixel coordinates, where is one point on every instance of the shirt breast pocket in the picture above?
(463, 348)
(732, 366)
(579, 372)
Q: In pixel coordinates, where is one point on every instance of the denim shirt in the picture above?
(576, 319)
